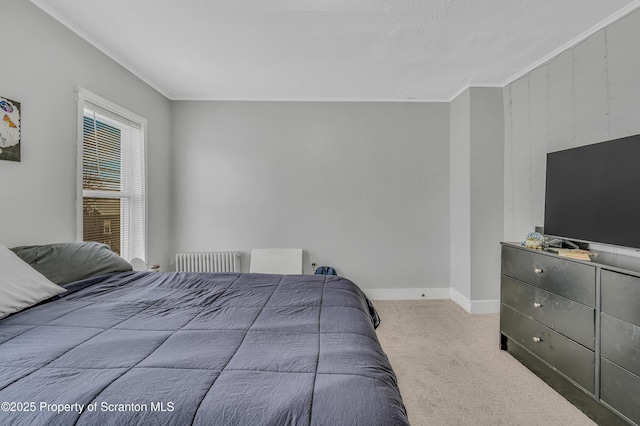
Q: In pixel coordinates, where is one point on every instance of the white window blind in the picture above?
(112, 179)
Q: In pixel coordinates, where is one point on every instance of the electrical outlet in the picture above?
(314, 265)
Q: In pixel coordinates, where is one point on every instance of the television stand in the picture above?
(576, 324)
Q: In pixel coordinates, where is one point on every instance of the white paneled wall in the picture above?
(587, 94)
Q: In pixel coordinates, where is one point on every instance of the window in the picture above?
(112, 176)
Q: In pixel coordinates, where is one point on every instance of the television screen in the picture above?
(593, 193)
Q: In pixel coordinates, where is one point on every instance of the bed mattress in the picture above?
(198, 348)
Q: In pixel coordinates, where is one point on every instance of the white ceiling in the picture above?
(331, 49)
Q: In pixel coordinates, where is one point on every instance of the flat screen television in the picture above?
(593, 193)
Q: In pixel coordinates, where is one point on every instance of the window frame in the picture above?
(85, 97)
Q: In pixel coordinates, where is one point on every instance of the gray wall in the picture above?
(487, 192)
(587, 94)
(43, 63)
(460, 183)
(476, 181)
(363, 187)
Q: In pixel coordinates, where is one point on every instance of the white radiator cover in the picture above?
(213, 261)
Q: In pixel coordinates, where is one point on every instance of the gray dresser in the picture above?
(577, 325)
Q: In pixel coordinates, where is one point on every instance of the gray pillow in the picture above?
(63, 263)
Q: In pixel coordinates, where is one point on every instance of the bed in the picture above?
(185, 348)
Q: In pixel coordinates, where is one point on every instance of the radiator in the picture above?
(215, 261)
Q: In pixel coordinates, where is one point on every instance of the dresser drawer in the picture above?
(572, 319)
(620, 389)
(620, 342)
(567, 356)
(621, 296)
(572, 280)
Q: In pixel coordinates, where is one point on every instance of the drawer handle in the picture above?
(537, 339)
(537, 305)
(538, 270)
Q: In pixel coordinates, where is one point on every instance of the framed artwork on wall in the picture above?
(9, 129)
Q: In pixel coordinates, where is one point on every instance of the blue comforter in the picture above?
(202, 349)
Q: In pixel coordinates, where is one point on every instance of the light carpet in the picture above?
(451, 371)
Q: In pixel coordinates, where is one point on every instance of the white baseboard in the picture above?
(460, 299)
(485, 306)
(471, 306)
(406, 293)
(475, 306)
